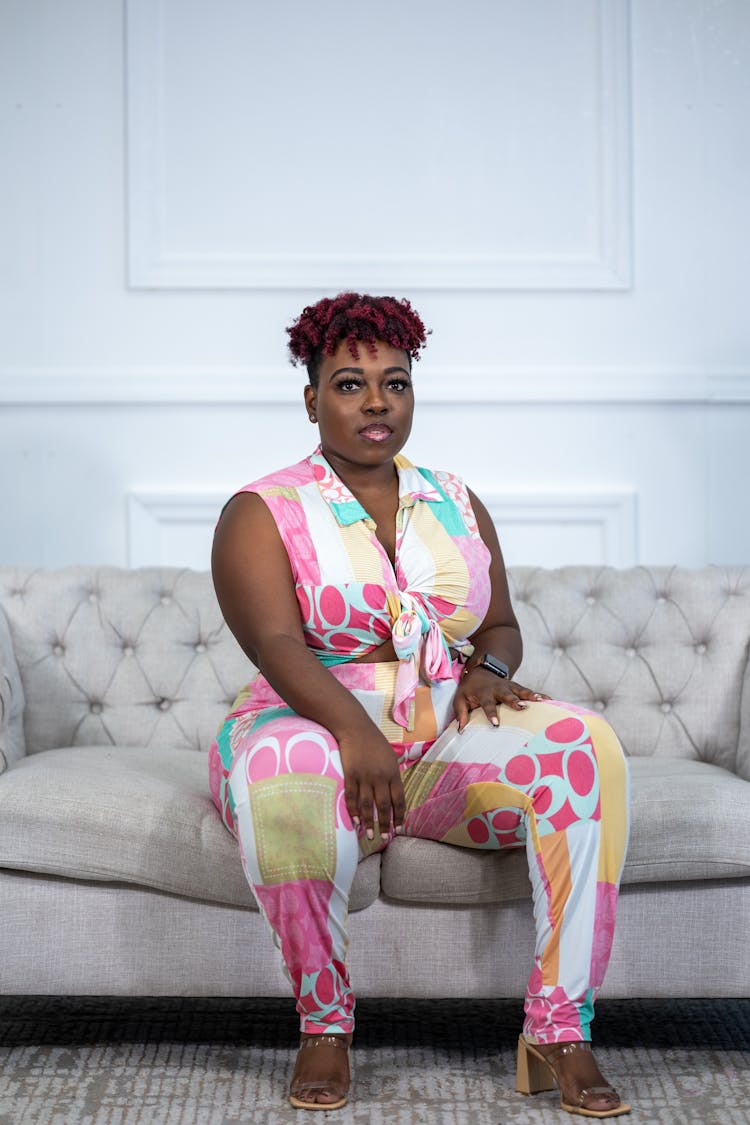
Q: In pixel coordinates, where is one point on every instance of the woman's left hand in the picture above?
(482, 688)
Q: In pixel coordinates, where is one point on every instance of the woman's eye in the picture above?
(398, 384)
(348, 385)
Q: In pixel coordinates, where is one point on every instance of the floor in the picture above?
(76, 1061)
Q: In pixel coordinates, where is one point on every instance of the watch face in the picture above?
(494, 665)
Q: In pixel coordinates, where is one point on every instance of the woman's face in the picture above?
(364, 406)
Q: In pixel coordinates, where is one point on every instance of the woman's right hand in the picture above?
(373, 790)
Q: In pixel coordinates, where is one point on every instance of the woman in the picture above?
(373, 598)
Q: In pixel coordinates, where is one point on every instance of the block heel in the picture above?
(535, 1073)
(532, 1075)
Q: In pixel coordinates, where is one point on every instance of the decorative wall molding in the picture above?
(172, 528)
(176, 528)
(141, 386)
(605, 522)
(603, 262)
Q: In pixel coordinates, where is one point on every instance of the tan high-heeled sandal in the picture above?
(535, 1073)
(335, 1086)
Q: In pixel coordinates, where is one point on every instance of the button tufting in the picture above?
(92, 595)
(164, 704)
(666, 708)
(58, 650)
(128, 650)
(700, 649)
(630, 652)
(96, 708)
(559, 651)
(200, 647)
(661, 599)
(591, 600)
(165, 599)
(599, 705)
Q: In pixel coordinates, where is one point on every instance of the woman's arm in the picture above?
(498, 636)
(255, 588)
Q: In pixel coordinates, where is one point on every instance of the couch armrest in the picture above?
(743, 748)
(12, 745)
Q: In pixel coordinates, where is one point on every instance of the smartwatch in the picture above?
(494, 665)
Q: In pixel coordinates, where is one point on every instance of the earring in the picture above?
(313, 418)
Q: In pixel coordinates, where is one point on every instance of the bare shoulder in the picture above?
(252, 574)
(246, 520)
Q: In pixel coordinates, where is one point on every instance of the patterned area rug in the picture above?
(77, 1061)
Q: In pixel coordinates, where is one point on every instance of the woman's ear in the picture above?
(311, 400)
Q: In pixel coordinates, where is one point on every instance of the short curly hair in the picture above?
(354, 317)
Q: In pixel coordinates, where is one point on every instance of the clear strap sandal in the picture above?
(337, 1089)
(535, 1072)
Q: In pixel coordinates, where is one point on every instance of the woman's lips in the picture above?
(376, 432)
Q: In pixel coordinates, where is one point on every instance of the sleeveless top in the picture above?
(352, 598)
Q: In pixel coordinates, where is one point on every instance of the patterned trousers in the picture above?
(551, 779)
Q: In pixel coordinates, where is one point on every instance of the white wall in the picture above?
(560, 187)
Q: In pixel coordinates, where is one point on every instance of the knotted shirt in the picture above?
(352, 598)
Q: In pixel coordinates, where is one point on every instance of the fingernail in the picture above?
(383, 835)
(355, 821)
(495, 721)
(538, 697)
(370, 834)
(400, 830)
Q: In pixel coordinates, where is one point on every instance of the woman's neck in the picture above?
(365, 479)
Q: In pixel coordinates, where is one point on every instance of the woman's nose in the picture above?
(375, 403)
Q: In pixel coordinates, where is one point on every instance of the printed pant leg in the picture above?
(551, 778)
(299, 851)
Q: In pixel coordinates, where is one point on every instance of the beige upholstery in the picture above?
(126, 815)
(129, 816)
(117, 875)
(143, 658)
(662, 849)
(11, 701)
(643, 646)
(83, 938)
(130, 658)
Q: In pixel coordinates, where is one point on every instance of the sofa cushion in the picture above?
(689, 820)
(127, 815)
(11, 701)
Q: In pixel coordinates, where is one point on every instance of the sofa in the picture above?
(117, 876)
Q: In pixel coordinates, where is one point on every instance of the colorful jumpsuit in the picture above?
(551, 778)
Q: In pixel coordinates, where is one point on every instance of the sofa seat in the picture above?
(664, 794)
(130, 815)
(133, 816)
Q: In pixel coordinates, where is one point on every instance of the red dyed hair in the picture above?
(356, 318)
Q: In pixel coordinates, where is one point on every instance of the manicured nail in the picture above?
(495, 721)
(370, 834)
(383, 835)
(538, 697)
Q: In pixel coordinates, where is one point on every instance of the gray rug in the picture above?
(77, 1061)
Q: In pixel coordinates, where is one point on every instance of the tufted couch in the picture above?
(118, 877)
